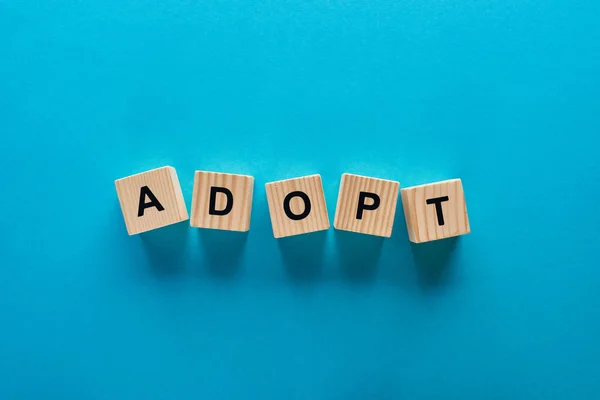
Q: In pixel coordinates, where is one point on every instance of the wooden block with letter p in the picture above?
(366, 205)
(151, 200)
(222, 201)
(435, 211)
(297, 206)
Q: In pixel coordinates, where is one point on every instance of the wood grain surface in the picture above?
(241, 187)
(378, 222)
(422, 220)
(164, 185)
(316, 220)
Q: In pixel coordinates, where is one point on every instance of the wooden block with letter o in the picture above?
(297, 206)
(222, 201)
(366, 205)
(435, 211)
(151, 200)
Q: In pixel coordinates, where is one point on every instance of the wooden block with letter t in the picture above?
(151, 200)
(222, 201)
(435, 211)
(297, 206)
(366, 205)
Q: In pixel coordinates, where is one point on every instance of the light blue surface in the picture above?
(503, 94)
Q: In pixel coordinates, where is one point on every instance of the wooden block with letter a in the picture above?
(435, 211)
(366, 205)
(297, 206)
(222, 201)
(151, 200)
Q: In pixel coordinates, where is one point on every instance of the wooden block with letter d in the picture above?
(435, 211)
(151, 200)
(222, 201)
(297, 206)
(366, 205)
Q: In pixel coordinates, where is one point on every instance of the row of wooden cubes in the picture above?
(154, 199)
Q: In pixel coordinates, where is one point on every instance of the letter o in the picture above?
(287, 209)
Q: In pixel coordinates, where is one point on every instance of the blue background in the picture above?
(503, 94)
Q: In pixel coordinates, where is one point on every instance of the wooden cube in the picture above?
(151, 200)
(435, 211)
(222, 201)
(366, 205)
(297, 206)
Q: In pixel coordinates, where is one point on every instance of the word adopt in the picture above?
(154, 199)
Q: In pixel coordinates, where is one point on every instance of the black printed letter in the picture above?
(362, 206)
(145, 191)
(213, 201)
(288, 211)
(438, 208)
